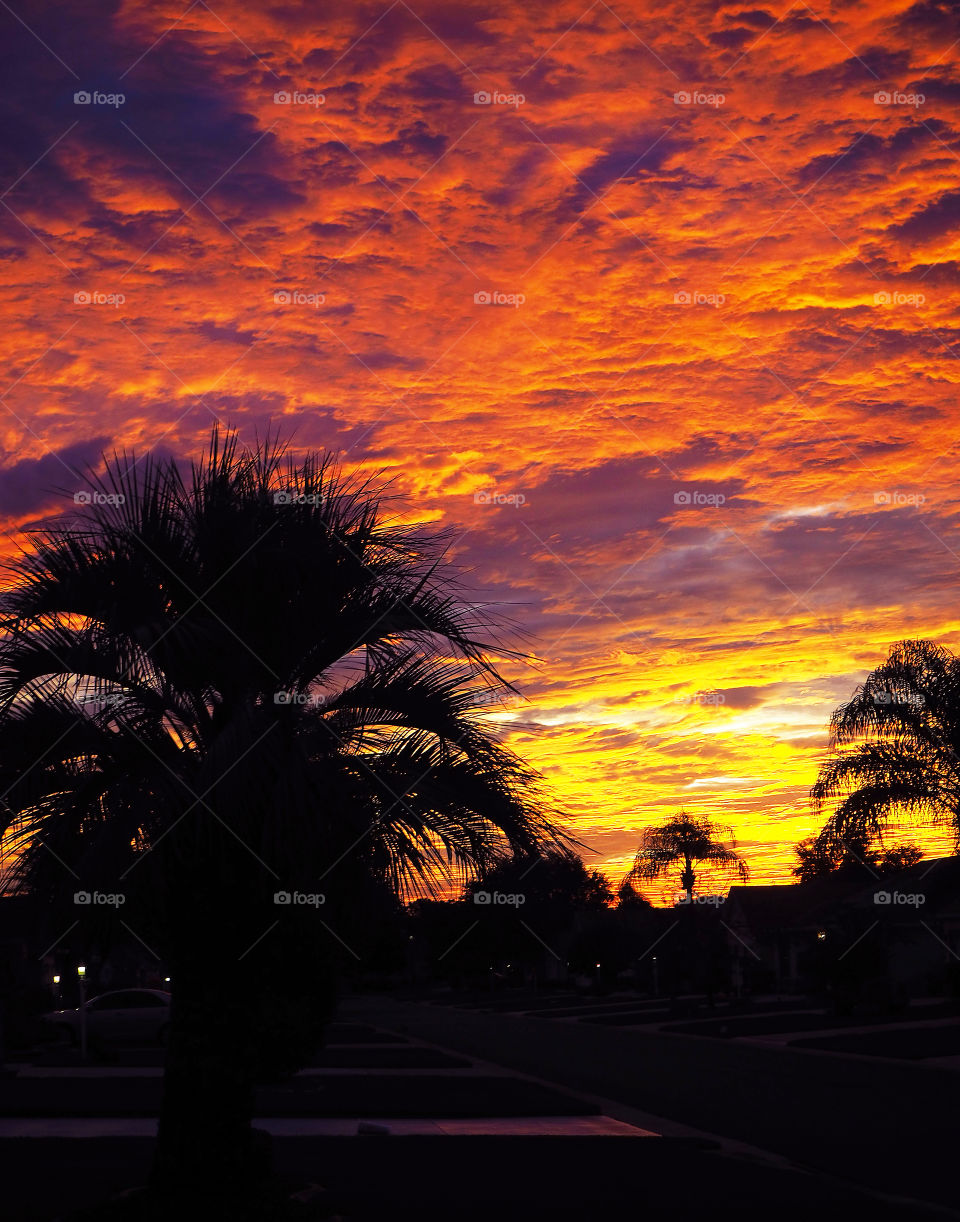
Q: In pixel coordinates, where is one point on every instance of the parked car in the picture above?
(129, 1016)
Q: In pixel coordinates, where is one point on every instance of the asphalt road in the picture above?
(888, 1127)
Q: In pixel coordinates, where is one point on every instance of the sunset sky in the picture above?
(672, 287)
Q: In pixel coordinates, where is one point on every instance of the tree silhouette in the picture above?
(628, 897)
(525, 907)
(685, 841)
(223, 689)
(558, 879)
(897, 740)
(817, 858)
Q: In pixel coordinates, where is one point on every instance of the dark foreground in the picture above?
(886, 1127)
(437, 1179)
(867, 1152)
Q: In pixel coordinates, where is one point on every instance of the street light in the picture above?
(81, 977)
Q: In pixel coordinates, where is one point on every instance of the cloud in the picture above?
(759, 308)
(630, 159)
(933, 220)
(29, 485)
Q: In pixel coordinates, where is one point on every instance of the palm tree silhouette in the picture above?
(902, 728)
(685, 841)
(221, 689)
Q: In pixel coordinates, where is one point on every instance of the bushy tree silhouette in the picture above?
(817, 858)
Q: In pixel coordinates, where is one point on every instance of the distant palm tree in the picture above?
(901, 731)
(217, 688)
(685, 841)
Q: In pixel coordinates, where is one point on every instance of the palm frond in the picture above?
(896, 743)
(143, 640)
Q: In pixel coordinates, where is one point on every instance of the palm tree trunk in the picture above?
(687, 879)
(205, 1143)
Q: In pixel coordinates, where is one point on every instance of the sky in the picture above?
(653, 306)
